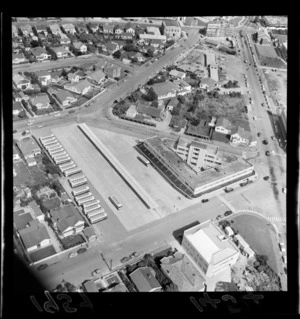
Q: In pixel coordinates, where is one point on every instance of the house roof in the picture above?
(26, 27)
(81, 85)
(128, 25)
(176, 73)
(18, 56)
(28, 145)
(171, 23)
(36, 208)
(222, 121)
(144, 280)
(210, 82)
(17, 78)
(54, 27)
(63, 95)
(89, 232)
(59, 49)
(21, 221)
(17, 106)
(164, 88)
(41, 27)
(66, 216)
(173, 101)
(90, 286)
(78, 44)
(34, 235)
(149, 110)
(40, 99)
(42, 73)
(68, 26)
(108, 26)
(243, 130)
(202, 129)
(128, 34)
(97, 75)
(111, 46)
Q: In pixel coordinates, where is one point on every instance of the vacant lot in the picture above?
(266, 51)
(278, 86)
(260, 235)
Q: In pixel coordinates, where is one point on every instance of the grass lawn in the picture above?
(260, 235)
(42, 253)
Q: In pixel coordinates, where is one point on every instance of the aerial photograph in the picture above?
(149, 153)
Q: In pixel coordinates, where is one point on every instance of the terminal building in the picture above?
(185, 179)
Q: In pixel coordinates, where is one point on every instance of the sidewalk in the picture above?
(226, 202)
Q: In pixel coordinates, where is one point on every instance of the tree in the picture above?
(151, 95)
(150, 53)
(181, 99)
(261, 41)
(64, 73)
(22, 114)
(34, 43)
(34, 108)
(262, 259)
(117, 54)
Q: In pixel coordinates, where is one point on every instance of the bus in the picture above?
(46, 145)
(72, 171)
(60, 156)
(62, 160)
(48, 140)
(79, 197)
(91, 208)
(97, 201)
(80, 190)
(56, 150)
(46, 137)
(85, 200)
(79, 182)
(76, 177)
(52, 146)
(54, 156)
(94, 213)
(63, 169)
(117, 204)
(143, 160)
(97, 218)
(65, 165)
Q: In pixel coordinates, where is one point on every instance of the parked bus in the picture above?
(63, 160)
(68, 167)
(143, 160)
(72, 171)
(46, 137)
(64, 165)
(48, 140)
(79, 182)
(76, 177)
(94, 213)
(60, 156)
(52, 146)
(91, 208)
(97, 201)
(54, 156)
(79, 197)
(97, 218)
(85, 200)
(117, 204)
(80, 190)
(46, 145)
(56, 150)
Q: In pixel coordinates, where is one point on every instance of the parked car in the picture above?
(284, 190)
(42, 267)
(273, 137)
(125, 259)
(258, 134)
(115, 101)
(228, 189)
(135, 254)
(282, 248)
(267, 153)
(254, 118)
(266, 178)
(285, 270)
(81, 250)
(265, 142)
(205, 200)
(73, 254)
(227, 213)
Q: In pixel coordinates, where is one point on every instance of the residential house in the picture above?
(108, 28)
(118, 30)
(69, 28)
(80, 46)
(44, 77)
(98, 77)
(94, 27)
(64, 39)
(66, 220)
(126, 60)
(208, 84)
(182, 272)
(177, 74)
(81, 74)
(172, 103)
(21, 219)
(90, 234)
(144, 280)
(41, 29)
(157, 43)
(61, 52)
(82, 87)
(139, 57)
(129, 28)
(26, 30)
(209, 248)
(202, 130)
(165, 90)
(35, 236)
(153, 30)
(145, 38)
(112, 71)
(56, 76)
(183, 87)
(73, 77)
(157, 113)
(65, 98)
(41, 101)
(17, 108)
(111, 47)
(40, 54)
(37, 211)
(242, 134)
(171, 29)
(19, 58)
(131, 112)
(224, 126)
(55, 29)
(82, 28)
(14, 30)
(21, 82)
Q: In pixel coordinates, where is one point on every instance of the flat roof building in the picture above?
(29, 147)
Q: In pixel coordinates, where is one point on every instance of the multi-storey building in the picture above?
(171, 29)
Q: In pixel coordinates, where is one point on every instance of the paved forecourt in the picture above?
(104, 178)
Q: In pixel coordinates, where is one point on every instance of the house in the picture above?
(178, 123)
(69, 28)
(155, 112)
(241, 134)
(94, 27)
(209, 248)
(111, 47)
(126, 61)
(145, 38)
(118, 30)
(64, 39)
(36, 210)
(108, 28)
(41, 101)
(153, 30)
(129, 28)
(80, 46)
(19, 58)
(224, 126)
(35, 236)
(16, 155)
(165, 90)
(41, 29)
(202, 130)
(66, 220)
(131, 112)
(82, 28)
(81, 74)
(55, 29)
(126, 36)
(248, 252)
(208, 84)
(172, 103)
(40, 54)
(139, 57)
(112, 71)
(82, 87)
(21, 219)
(90, 234)
(61, 52)
(14, 30)
(183, 87)
(44, 77)
(157, 43)
(26, 30)
(65, 98)
(97, 76)
(56, 76)
(171, 29)
(182, 272)
(73, 77)
(144, 280)
(21, 82)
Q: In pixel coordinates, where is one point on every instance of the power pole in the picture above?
(105, 261)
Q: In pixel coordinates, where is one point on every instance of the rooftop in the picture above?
(17, 106)
(40, 99)
(171, 23)
(144, 280)
(38, 51)
(21, 221)
(28, 145)
(164, 88)
(34, 235)
(97, 76)
(89, 232)
(210, 242)
(81, 85)
(90, 286)
(149, 110)
(63, 95)
(202, 129)
(35, 208)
